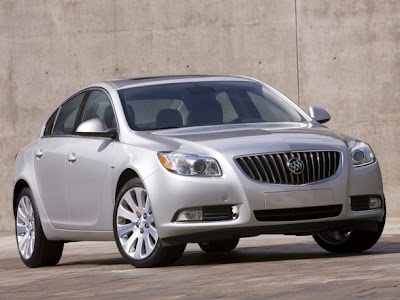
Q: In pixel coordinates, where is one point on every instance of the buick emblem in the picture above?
(295, 165)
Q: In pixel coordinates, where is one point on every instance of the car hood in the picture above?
(241, 139)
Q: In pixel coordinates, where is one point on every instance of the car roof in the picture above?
(125, 83)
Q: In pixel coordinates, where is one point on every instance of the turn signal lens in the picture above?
(164, 162)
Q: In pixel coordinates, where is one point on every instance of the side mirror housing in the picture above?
(95, 127)
(319, 114)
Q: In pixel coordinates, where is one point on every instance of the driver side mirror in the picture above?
(319, 114)
(95, 127)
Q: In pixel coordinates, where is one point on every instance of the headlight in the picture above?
(361, 154)
(189, 164)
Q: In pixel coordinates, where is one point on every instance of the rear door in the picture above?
(50, 161)
(88, 173)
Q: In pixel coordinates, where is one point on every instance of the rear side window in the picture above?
(67, 116)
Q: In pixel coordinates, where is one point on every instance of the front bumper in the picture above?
(308, 228)
(170, 193)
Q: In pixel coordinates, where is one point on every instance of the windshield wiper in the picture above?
(167, 127)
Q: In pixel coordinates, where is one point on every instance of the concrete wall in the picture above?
(349, 63)
(342, 55)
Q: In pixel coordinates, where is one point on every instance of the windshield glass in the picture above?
(204, 103)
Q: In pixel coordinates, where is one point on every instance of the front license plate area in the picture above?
(293, 199)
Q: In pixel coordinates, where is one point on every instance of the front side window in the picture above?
(50, 123)
(99, 106)
(204, 103)
(66, 117)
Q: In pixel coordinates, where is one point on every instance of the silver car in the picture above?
(155, 163)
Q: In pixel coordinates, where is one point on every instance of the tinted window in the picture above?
(272, 110)
(99, 106)
(204, 103)
(67, 116)
(147, 111)
(229, 112)
(50, 123)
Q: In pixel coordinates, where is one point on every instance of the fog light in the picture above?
(235, 212)
(190, 215)
(374, 202)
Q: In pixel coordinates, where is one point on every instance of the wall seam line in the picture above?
(297, 54)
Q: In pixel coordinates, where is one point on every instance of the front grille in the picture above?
(217, 213)
(273, 167)
(296, 214)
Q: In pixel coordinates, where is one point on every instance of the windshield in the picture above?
(204, 103)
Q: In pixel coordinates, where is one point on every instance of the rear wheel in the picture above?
(34, 248)
(355, 241)
(219, 245)
(135, 230)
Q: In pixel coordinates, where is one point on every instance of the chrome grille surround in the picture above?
(273, 167)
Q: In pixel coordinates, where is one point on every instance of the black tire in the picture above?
(353, 241)
(45, 252)
(219, 245)
(161, 255)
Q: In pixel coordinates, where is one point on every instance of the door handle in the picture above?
(39, 153)
(71, 158)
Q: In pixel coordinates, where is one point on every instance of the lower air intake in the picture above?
(218, 213)
(296, 214)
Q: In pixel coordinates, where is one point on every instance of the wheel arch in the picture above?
(19, 186)
(125, 176)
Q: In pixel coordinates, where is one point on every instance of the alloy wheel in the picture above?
(135, 226)
(25, 222)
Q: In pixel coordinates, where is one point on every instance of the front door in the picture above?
(88, 172)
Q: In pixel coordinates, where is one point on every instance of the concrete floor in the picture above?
(278, 267)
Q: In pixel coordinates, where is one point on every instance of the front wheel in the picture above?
(342, 241)
(34, 248)
(135, 230)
